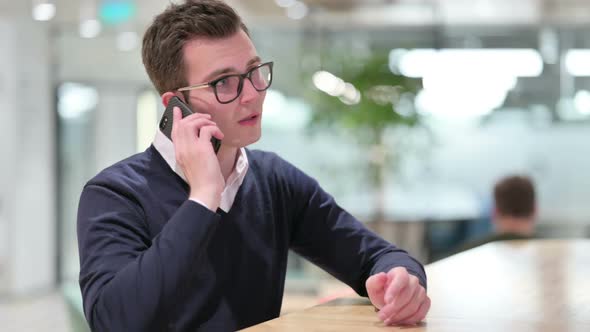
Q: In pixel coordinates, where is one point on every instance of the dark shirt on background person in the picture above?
(514, 213)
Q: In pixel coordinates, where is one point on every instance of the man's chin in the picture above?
(251, 141)
(243, 142)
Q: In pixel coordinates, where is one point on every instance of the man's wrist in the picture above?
(208, 200)
(200, 202)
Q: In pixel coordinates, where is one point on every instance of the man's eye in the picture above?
(221, 82)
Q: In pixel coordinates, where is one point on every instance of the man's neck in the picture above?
(523, 226)
(227, 157)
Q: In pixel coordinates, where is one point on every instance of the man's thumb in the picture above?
(375, 288)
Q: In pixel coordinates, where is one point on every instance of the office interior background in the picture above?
(407, 111)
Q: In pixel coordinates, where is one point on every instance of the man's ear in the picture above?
(495, 214)
(166, 98)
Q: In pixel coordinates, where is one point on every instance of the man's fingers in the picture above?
(190, 131)
(420, 314)
(376, 288)
(176, 116)
(195, 116)
(198, 114)
(399, 280)
(392, 308)
(401, 300)
(409, 309)
(376, 283)
(210, 131)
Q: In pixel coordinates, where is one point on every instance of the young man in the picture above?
(180, 238)
(514, 212)
(515, 208)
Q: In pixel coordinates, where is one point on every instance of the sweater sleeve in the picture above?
(127, 278)
(331, 238)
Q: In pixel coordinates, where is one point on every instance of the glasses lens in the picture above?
(227, 88)
(261, 77)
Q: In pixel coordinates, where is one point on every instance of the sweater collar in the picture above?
(165, 148)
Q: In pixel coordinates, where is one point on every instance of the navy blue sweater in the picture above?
(152, 260)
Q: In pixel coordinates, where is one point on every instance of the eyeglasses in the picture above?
(228, 88)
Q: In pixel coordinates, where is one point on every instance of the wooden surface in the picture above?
(536, 285)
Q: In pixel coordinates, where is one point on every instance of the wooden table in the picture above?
(536, 285)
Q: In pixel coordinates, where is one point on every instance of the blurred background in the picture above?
(407, 111)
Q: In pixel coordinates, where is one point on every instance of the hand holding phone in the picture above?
(168, 117)
(191, 134)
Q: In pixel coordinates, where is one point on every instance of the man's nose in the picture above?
(249, 93)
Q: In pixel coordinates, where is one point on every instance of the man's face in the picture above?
(205, 59)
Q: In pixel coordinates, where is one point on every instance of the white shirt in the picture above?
(166, 149)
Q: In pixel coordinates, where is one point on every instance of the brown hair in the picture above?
(165, 38)
(515, 196)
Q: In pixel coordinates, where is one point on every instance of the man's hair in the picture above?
(165, 38)
(515, 196)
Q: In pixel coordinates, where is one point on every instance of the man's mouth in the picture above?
(251, 119)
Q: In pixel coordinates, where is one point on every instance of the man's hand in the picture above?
(195, 156)
(399, 296)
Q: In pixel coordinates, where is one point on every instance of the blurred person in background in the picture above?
(181, 238)
(514, 212)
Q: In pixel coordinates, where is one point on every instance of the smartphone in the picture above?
(166, 121)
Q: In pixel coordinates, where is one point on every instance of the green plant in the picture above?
(382, 104)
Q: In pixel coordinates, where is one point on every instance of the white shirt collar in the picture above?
(165, 147)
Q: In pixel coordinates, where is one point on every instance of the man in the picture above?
(514, 212)
(515, 208)
(180, 238)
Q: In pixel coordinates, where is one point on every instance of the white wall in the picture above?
(115, 123)
(27, 170)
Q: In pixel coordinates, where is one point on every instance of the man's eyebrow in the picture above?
(253, 61)
(231, 69)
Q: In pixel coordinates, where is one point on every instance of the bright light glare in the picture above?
(75, 100)
(90, 28)
(465, 82)
(463, 94)
(335, 86)
(582, 102)
(43, 11)
(329, 83)
(438, 103)
(297, 11)
(577, 62)
(513, 62)
(285, 3)
(350, 95)
(147, 119)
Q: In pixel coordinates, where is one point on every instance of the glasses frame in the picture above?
(213, 84)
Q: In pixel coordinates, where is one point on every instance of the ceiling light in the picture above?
(75, 100)
(297, 11)
(285, 3)
(90, 28)
(582, 102)
(43, 11)
(514, 62)
(577, 62)
(328, 83)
